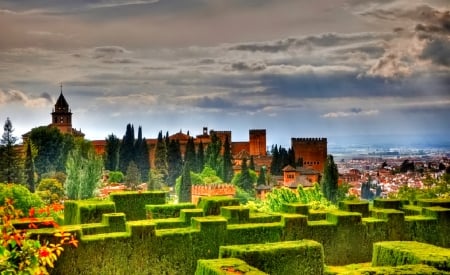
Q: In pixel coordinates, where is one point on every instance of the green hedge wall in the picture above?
(358, 269)
(401, 253)
(225, 266)
(86, 211)
(293, 257)
(355, 206)
(212, 205)
(163, 211)
(133, 203)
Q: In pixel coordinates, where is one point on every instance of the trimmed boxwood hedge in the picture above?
(212, 205)
(225, 266)
(133, 203)
(86, 211)
(401, 253)
(293, 257)
(164, 211)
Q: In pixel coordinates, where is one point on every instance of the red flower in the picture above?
(43, 252)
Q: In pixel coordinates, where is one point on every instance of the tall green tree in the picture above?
(133, 176)
(329, 181)
(251, 165)
(174, 162)
(189, 155)
(213, 158)
(185, 189)
(275, 164)
(10, 166)
(111, 157)
(244, 179)
(142, 157)
(29, 169)
(52, 149)
(161, 157)
(127, 152)
(83, 174)
(262, 176)
(200, 158)
(227, 163)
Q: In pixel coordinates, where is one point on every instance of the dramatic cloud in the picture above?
(16, 96)
(351, 113)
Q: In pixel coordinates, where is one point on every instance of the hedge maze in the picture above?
(137, 233)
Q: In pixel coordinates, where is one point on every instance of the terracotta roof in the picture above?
(242, 154)
(288, 168)
(179, 136)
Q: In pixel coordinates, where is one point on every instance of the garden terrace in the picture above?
(174, 245)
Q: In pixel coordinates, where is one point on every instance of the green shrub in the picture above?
(23, 199)
(115, 176)
(223, 266)
(50, 190)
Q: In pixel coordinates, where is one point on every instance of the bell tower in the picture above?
(61, 115)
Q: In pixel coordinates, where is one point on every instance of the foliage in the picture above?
(161, 165)
(245, 179)
(435, 188)
(262, 176)
(213, 158)
(329, 180)
(275, 199)
(23, 199)
(133, 176)
(185, 193)
(227, 163)
(10, 163)
(280, 158)
(111, 156)
(116, 176)
(50, 190)
(142, 157)
(200, 158)
(251, 165)
(83, 174)
(21, 255)
(207, 176)
(155, 181)
(126, 151)
(52, 149)
(29, 169)
(174, 162)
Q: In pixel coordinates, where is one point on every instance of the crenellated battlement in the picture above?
(310, 139)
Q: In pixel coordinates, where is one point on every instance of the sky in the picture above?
(297, 68)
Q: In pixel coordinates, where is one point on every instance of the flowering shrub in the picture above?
(19, 254)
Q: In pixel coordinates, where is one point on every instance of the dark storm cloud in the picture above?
(437, 51)
(356, 110)
(108, 51)
(47, 96)
(323, 40)
(213, 103)
(243, 66)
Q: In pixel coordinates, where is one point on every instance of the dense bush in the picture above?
(22, 197)
(115, 176)
(50, 190)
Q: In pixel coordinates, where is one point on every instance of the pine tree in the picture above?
(227, 163)
(174, 162)
(126, 152)
(274, 165)
(161, 157)
(245, 181)
(185, 191)
(330, 178)
(111, 156)
(10, 168)
(29, 169)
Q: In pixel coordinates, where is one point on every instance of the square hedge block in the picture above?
(212, 205)
(401, 253)
(344, 218)
(387, 204)
(133, 203)
(86, 211)
(227, 266)
(187, 214)
(360, 206)
(161, 211)
(445, 203)
(295, 208)
(235, 214)
(292, 257)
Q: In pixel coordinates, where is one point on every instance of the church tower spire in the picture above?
(61, 115)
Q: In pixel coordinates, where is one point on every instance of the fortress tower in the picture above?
(313, 151)
(257, 142)
(62, 117)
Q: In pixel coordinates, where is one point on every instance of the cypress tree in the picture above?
(111, 157)
(274, 165)
(213, 157)
(261, 177)
(330, 178)
(126, 152)
(161, 157)
(174, 162)
(200, 158)
(227, 164)
(29, 169)
(190, 151)
(141, 156)
(245, 182)
(185, 191)
(251, 165)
